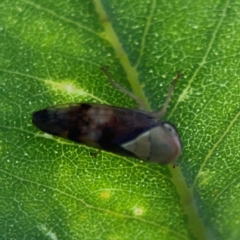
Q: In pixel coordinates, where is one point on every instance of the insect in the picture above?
(123, 131)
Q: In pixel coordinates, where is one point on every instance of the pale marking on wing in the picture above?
(211, 151)
(51, 12)
(89, 206)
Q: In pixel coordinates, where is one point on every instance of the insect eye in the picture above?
(170, 129)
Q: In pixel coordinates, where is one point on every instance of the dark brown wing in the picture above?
(93, 124)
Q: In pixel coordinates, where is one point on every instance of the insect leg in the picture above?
(122, 89)
(170, 91)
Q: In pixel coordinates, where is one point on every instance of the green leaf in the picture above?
(52, 52)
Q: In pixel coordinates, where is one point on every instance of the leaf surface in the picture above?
(52, 52)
